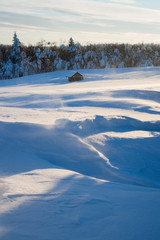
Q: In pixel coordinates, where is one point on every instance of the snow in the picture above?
(80, 160)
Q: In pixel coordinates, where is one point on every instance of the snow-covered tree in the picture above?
(11, 68)
(72, 52)
(19, 60)
(15, 52)
(7, 70)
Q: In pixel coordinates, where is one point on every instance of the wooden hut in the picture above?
(76, 77)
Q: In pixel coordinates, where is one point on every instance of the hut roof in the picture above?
(77, 74)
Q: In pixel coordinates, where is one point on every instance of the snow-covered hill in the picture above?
(80, 160)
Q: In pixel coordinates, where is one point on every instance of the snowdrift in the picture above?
(81, 160)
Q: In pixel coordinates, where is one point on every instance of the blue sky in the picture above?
(87, 21)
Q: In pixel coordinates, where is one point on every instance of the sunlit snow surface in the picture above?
(81, 160)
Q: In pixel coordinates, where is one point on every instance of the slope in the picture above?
(80, 160)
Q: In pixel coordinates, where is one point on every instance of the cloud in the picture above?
(75, 9)
(110, 11)
(11, 20)
(75, 16)
(14, 27)
(124, 1)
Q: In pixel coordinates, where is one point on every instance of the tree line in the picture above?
(18, 60)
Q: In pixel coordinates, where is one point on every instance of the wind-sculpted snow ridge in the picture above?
(118, 150)
(80, 160)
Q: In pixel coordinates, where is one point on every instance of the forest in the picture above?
(19, 60)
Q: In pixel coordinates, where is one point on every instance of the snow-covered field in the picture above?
(81, 160)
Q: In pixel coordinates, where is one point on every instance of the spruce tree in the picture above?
(71, 42)
(72, 52)
(11, 68)
(15, 52)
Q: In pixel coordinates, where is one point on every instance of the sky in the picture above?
(86, 21)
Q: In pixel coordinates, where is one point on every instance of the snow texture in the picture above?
(80, 160)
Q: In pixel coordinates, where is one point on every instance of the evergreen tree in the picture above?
(7, 70)
(11, 68)
(15, 53)
(71, 42)
(72, 53)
